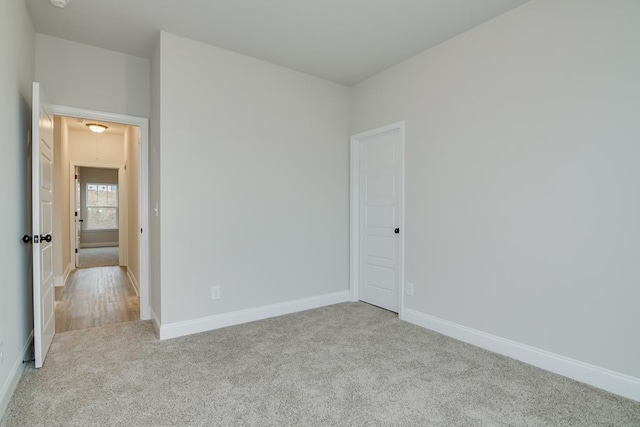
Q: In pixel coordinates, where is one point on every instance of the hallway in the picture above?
(98, 257)
(96, 297)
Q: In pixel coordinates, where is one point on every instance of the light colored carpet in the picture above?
(98, 257)
(348, 364)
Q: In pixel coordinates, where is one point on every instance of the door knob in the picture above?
(397, 231)
(46, 238)
(26, 238)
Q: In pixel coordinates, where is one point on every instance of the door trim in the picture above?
(143, 124)
(122, 198)
(354, 235)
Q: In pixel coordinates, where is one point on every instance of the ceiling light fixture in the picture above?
(97, 128)
(59, 3)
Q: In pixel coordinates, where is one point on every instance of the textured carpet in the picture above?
(98, 257)
(348, 364)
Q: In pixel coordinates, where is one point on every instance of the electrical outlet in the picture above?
(410, 289)
(1, 351)
(215, 292)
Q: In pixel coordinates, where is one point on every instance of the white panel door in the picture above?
(380, 187)
(42, 216)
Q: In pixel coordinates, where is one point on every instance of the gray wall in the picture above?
(522, 178)
(254, 179)
(17, 44)
(154, 186)
(78, 75)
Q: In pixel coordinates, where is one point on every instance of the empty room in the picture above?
(343, 212)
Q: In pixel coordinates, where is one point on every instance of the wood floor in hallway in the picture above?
(96, 297)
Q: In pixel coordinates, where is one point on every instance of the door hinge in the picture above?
(141, 231)
(76, 250)
(76, 213)
(76, 177)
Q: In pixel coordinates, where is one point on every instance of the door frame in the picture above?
(143, 211)
(123, 245)
(354, 237)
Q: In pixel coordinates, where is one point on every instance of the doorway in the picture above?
(377, 217)
(132, 189)
(97, 215)
(98, 164)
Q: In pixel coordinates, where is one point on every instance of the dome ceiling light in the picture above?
(59, 3)
(97, 128)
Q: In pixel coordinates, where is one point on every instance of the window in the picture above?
(102, 207)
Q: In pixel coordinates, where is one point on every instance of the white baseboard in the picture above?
(155, 321)
(188, 327)
(61, 280)
(134, 282)
(99, 245)
(9, 386)
(614, 382)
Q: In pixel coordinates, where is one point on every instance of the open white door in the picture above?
(42, 185)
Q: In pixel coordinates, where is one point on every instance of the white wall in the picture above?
(88, 147)
(132, 152)
(17, 44)
(522, 178)
(254, 173)
(78, 75)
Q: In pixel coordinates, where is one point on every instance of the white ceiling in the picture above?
(344, 41)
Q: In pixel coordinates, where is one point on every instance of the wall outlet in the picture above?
(215, 292)
(409, 289)
(1, 351)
